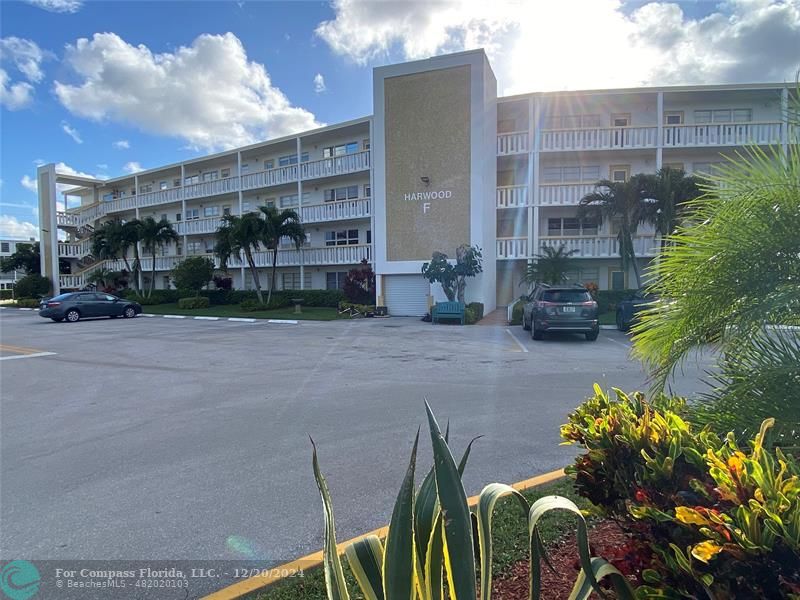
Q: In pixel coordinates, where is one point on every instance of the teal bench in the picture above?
(448, 310)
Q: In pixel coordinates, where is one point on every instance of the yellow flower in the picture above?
(705, 551)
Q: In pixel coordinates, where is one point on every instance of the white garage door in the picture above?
(406, 295)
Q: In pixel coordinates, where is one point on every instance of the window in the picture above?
(162, 185)
(290, 200)
(226, 210)
(345, 237)
(617, 280)
(176, 182)
(192, 213)
(571, 226)
(245, 207)
(573, 174)
(165, 281)
(367, 190)
(349, 192)
(571, 121)
(335, 280)
(621, 120)
(211, 211)
(177, 217)
(245, 167)
(675, 166)
(164, 217)
(291, 281)
(619, 173)
(369, 236)
(191, 180)
(133, 192)
(269, 164)
(164, 250)
(192, 247)
(341, 150)
(366, 144)
(210, 175)
(706, 168)
(179, 249)
(723, 115)
(225, 173)
(566, 296)
(291, 159)
(5, 247)
(144, 189)
(673, 117)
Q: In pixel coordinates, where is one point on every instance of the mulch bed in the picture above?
(606, 540)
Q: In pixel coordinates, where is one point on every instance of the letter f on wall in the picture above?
(426, 207)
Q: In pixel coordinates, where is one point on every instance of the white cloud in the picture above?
(319, 83)
(209, 93)
(102, 166)
(26, 58)
(574, 44)
(71, 132)
(58, 6)
(132, 167)
(11, 227)
(121, 144)
(29, 183)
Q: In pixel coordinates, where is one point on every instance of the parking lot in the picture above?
(155, 438)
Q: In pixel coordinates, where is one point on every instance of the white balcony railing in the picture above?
(512, 196)
(339, 165)
(159, 197)
(197, 226)
(211, 188)
(74, 249)
(71, 281)
(722, 134)
(515, 142)
(600, 246)
(564, 194)
(336, 211)
(515, 247)
(80, 216)
(278, 176)
(598, 138)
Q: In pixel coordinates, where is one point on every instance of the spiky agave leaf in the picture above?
(332, 565)
(365, 557)
(601, 569)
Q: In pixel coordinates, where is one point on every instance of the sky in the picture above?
(104, 88)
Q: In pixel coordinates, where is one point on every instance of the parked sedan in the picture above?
(628, 309)
(74, 306)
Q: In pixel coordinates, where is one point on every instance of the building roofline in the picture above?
(726, 87)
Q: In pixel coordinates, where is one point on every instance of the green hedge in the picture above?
(198, 302)
(253, 305)
(32, 286)
(6, 294)
(27, 303)
(473, 312)
(607, 300)
(516, 313)
(281, 298)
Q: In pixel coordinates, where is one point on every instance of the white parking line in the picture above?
(34, 355)
(241, 320)
(282, 321)
(207, 318)
(174, 316)
(148, 315)
(513, 337)
(24, 309)
(623, 344)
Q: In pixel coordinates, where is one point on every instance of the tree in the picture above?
(32, 285)
(550, 266)
(622, 201)
(241, 235)
(154, 235)
(730, 279)
(277, 226)
(101, 277)
(113, 239)
(453, 277)
(359, 284)
(193, 273)
(27, 258)
(668, 197)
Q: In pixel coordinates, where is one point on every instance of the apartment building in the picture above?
(443, 161)
(7, 247)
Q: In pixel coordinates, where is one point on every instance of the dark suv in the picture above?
(560, 308)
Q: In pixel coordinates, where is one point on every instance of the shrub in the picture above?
(708, 518)
(6, 294)
(223, 282)
(193, 273)
(359, 284)
(516, 313)
(477, 307)
(193, 302)
(607, 300)
(27, 303)
(470, 315)
(252, 305)
(32, 286)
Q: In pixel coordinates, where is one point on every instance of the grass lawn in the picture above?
(509, 532)
(312, 313)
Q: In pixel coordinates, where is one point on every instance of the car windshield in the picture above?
(61, 297)
(566, 296)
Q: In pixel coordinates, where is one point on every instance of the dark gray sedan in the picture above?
(75, 306)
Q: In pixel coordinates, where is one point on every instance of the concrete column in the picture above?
(48, 225)
(183, 209)
(785, 122)
(537, 135)
(138, 244)
(660, 133)
(241, 209)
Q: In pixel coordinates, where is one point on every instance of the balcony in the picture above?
(721, 134)
(339, 165)
(600, 246)
(159, 197)
(80, 216)
(336, 211)
(279, 176)
(512, 143)
(198, 226)
(513, 247)
(608, 138)
(71, 281)
(564, 194)
(512, 196)
(74, 249)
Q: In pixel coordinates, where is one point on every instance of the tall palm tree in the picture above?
(241, 235)
(550, 266)
(112, 240)
(279, 225)
(622, 201)
(669, 194)
(154, 235)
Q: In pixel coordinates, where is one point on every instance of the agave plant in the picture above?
(431, 537)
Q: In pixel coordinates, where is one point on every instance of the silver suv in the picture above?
(560, 308)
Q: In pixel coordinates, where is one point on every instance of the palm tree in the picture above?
(154, 235)
(668, 197)
(550, 266)
(622, 201)
(113, 239)
(101, 277)
(241, 235)
(279, 225)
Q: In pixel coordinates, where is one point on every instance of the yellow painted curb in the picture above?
(275, 574)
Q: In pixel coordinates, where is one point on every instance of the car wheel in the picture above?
(130, 312)
(57, 319)
(621, 322)
(537, 334)
(592, 336)
(73, 315)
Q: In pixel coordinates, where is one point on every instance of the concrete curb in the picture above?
(231, 319)
(273, 575)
